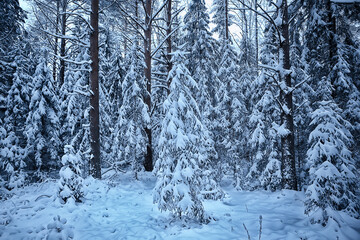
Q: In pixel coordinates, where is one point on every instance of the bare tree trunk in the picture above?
(245, 36)
(169, 40)
(95, 169)
(56, 39)
(226, 19)
(332, 43)
(288, 147)
(148, 164)
(63, 43)
(256, 38)
(124, 38)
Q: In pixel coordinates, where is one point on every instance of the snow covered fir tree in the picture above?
(182, 148)
(169, 119)
(70, 184)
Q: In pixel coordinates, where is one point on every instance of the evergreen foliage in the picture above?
(181, 147)
(133, 113)
(71, 182)
(42, 123)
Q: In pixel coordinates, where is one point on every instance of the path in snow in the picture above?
(125, 211)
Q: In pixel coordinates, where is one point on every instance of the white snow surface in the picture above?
(122, 209)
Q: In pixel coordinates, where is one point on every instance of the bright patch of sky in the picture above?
(26, 5)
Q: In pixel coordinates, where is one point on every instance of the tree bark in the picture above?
(226, 19)
(95, 169)
(331, 26)
(63, 43)
(169, 40)
(245, 36)
(148, 163)
(256, 39)
(288, 147)
(56, 39)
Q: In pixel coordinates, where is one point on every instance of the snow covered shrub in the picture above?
(58, 230)
(332, 175)
(257, 144)
(271, 178)
(181, 149)
(11, 160)
(70, 184)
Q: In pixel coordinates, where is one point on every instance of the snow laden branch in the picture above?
(264, 14)
(158, 12)
(81, 17)
(83, 44)
(131, 17)
(72, 61)
(163, 41)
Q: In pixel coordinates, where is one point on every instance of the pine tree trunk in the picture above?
(95, 169)
(256, 39)
(332, 42)
(56, 39)
(245, 36)
(288, 147)
(148, 164)
(124, 38)
(63, 43)
(226, 19)
(169, 43)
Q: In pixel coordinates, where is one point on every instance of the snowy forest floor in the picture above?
(123, 209)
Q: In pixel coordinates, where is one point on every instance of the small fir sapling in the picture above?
(270, 178)
(71, 182)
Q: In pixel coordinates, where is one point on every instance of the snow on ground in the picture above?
(123, 209)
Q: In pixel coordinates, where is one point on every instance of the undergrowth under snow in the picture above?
(123, 209)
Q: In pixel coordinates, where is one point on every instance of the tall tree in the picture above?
(12, 17)
(147, 54)
(203, 68)
(95, 162)
(222, 18)
(286, 97)
(64, 17)
(17, 108)
(134, 114)
(332, 174)
(150, 16)
(42, 123)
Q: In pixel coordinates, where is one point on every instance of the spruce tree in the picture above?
(134, 116)
(181, 148)
(70, 183)
(12, 17)
(17, 102)
(42, 123)
(230, 113)
(202, 66)
(332, 173)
